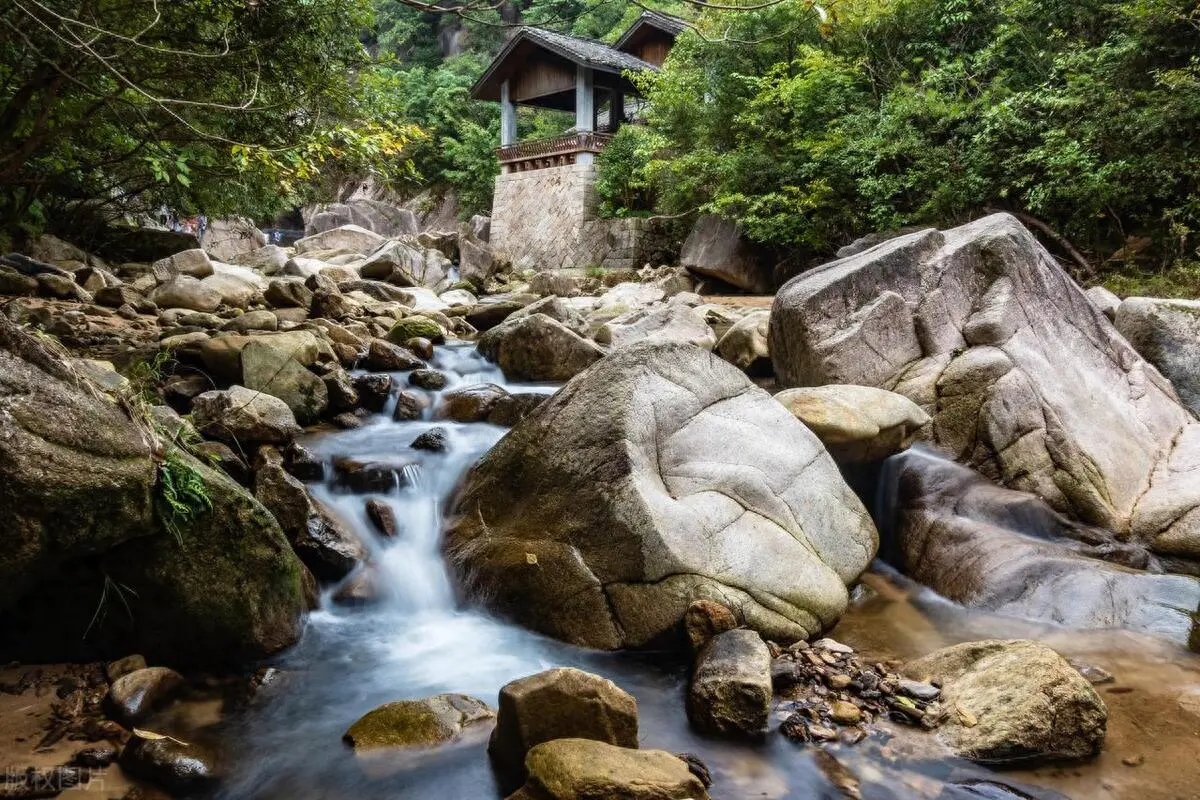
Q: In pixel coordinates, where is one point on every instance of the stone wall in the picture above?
(547, 219)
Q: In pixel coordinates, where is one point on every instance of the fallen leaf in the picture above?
(530, 558)
(966, 718)
(155, 737)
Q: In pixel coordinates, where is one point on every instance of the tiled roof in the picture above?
(587, 51)
(656, 19)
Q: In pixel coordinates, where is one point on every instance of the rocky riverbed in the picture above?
(376, 516)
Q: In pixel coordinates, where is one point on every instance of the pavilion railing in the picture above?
(559, 151)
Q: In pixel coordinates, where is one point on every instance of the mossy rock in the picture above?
(418, 723)
(416, 327)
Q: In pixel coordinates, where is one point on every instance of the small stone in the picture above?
(133, 697)
(382, 517)
(920, 691)
(124, 666)
(417, 723)
(833, 647)
(429, 379)
(373, 390)
(409, 406)
(845, 713)
(704, 619)
(95, 757)
(178, 768)
(421, 346)
(1094, 675)
(384, 356)
(1134, 761)
(433, 440)
(838, 681)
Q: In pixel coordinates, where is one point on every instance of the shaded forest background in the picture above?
(810, 125)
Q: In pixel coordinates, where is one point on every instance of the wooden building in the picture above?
(544, 214)
(546, 69)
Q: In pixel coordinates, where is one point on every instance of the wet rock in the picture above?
(243, 417)
(538, 348)
(745, 345)
(1015, 701)
(381, 515)
(134, 697)
(1024, 377)
(429, 379)
(705, 619)
(587, 508)
(328, 548)
(123, 666)
(97, 757)
(730, 692)
(558, 704)
(416, 327)
(384, 356)
(186, 292)
(409, 406)
(510, 410)
(421, 346)
(857, 423)
(360, 589)
(434, 440)
(373, 390)
(221, 455)
(1008, 552)
(179, 768)
(418, 723)
(351, 420)
(303, 463)
(339, 386)
(273, 371)
(364, 477)
(470, 403)
(582, 769)
(919, 690)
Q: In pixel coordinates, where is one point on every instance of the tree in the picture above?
(221, 106)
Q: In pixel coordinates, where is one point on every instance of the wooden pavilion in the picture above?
(546, 69)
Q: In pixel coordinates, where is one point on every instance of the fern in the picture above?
(111, 588)
(182, 495)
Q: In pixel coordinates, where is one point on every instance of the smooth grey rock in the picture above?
(715, 248)
(133, 697)
(618, 501)
(1167, 334)
(241, 415)
(538, 348)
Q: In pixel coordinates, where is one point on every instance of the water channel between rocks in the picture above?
(419, 641)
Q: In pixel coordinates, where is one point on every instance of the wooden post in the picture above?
(508, 117)
(616, 114)
(585, 99)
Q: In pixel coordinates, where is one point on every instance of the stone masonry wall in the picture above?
(546, 219)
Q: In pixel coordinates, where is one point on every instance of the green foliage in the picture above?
(112, 593)
(182, 494)
(144, 375)
(1181, 280)
(813, 130)
(205, 105)
(621, 180)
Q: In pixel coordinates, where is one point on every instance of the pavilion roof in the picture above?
(652, 19)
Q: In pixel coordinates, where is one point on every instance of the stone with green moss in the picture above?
(416, 327)
(418, 723)
(581, 769)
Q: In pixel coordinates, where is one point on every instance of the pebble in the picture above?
(920, 691)
(845, 713)
(1134, 761)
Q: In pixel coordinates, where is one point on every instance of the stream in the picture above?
(417, 640)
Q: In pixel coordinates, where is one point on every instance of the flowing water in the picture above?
(420, 641)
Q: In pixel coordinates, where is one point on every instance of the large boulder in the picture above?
(1025, 379)
(618, 501)
(1007, 552)
(857, 423)
(193, 263)
(1167, 334)
(715, 248)
(670, 324)
(374, 215)
(538, 348)
(84, 518)
(226, 239)
(272, 370)
(477, 263)
(237, 286)
(76, 475)
(559, 704)
(348, 237)
(583, 769)
(244, 417)
(731, 692)
(1012, 702)
(187, 292)
(746, 344)
(267, 260)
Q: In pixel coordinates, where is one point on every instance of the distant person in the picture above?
(276, 236)
(201, 225)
